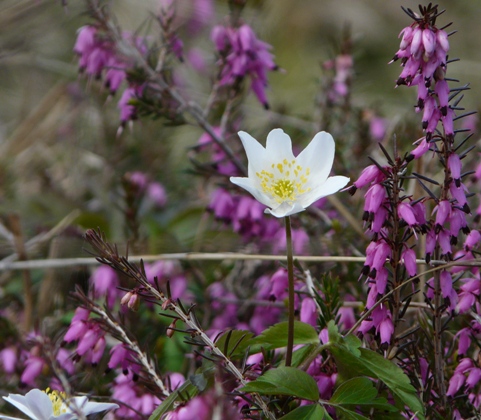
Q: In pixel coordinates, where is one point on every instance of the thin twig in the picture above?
(208, 256)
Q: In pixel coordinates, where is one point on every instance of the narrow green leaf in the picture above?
(234, 343)
(346, 414)
(186, 390)
(285, 381)
(306, 412)
(276, 336)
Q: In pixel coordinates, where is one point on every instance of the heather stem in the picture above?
(290, 274)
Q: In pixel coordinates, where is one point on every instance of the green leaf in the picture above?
(285, 381)
(306, 412)
(354, 391)
(352, 360)
(347, 414)
(234, 343)
(276, 336)
(359, 392)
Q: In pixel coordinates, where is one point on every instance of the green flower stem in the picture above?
(290, 274)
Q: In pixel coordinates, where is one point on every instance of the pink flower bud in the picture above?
(368, 175)
(473, 377)
(308, 311)
(416, 43)
(406, 213)
(446, 283)
(126, 298)
(421, 149)
(443, 212)
(409, 258)
(455, 384)
(374, 198)
(407, 36)
(442, 90)
(454, 165)
(472, 240)
(442, 40)
(429, 42)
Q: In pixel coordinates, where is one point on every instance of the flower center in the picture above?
(285, 182)
(58, 401)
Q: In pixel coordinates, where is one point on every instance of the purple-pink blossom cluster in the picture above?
(99, 59)
(243, 55)
(423, 54)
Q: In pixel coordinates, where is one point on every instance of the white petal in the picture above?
(332, 185)
(279, 146)
(35, 404)
(251, 187)
(256, 154)
(285, 209)
(88, 407)
(318, 156)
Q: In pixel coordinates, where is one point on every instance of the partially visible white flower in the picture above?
(285, 183)
(40, 405)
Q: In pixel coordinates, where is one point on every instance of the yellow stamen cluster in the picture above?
(285, 182)
(58, 401)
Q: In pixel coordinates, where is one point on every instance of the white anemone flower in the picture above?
(284, 183)
(40, 405)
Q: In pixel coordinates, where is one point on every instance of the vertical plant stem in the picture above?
(290, 274)
(15, 228)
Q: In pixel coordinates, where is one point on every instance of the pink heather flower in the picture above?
(409, 258)
(443, 211)
(78, 326)
(105, 282)
(8, 358)
(472, 240)
(473, 377)
(279, 281)
(446, 283)
(374, 198)
(308, 311)
(421, 149)
(444, 240)
(243, 55)
(381, 280)
(156, 193)
(369, 174)
(455, 384)
(464, 340)
(459, 195)
(406, 213)
(127, 110)
(89, 339)
(377, 128)
(222, 204)
(34, 366)
(380, 218)
(64, 358)
(196, 409)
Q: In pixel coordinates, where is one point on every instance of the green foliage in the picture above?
(358, 392)
(188, 390)
(288, 381)
(234, 343)
(330, 303)
(353, 360)
(276, 336)
(307, 412)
